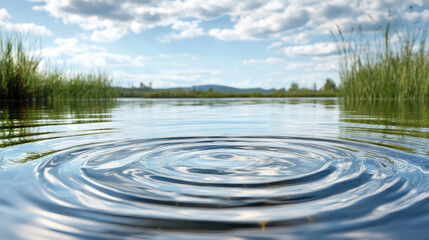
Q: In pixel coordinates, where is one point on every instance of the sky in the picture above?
(182, 43)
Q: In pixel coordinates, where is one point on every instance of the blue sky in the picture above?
(251, 43)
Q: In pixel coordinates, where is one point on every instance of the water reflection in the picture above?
(399, 125)
(23, 123)
(214, 169)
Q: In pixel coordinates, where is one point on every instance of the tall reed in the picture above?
(384, 65)
(23, 78)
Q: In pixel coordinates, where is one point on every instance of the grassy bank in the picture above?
(391, 65)
(131, 93)
(23, 78)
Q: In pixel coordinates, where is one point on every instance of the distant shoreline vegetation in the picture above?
(385, 64)
(22, 76)
(328, 90)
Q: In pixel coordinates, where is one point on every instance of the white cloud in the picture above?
(414, 16)
(109, 34)
(4, 15)
(71, 51)
(184, 30)
(266, 22)
(5, 24)
(301, 37)
(317, 49)
(291, 20)
(272, 61)
(274, 45)
(109, 20)
(320, 64)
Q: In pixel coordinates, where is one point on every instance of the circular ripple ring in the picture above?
(223, 183)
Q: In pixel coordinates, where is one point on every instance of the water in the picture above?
(214, 169)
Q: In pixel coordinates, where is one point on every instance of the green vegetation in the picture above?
(386, 66)
(329, 90)
(23, 78)
(329, 86)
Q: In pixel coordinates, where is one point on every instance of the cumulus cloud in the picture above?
(299, 37)
(266, 23)
(184, 30)
(5, 24)
(4, 15)
(71, 51)
(109, 34)
(317, 49)
(321, 64)
(333, 11)
(109, 20)
(417, 16)
(105, 17)
(272, 61)
(274, 45)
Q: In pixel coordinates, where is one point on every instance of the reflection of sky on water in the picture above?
(270, 167)
(229, 117)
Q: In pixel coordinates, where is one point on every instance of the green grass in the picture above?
(23, 78)
(384, 65)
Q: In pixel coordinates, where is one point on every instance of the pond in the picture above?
(214, 169)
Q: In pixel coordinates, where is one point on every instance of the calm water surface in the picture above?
(214, 169)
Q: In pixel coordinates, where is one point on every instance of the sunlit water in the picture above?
(214, 169)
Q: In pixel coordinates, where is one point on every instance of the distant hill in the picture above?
(219, 91)
(220, 88)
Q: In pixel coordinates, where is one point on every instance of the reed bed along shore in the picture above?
(22, 76)
(387, 64)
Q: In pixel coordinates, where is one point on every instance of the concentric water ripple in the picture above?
(199, 184)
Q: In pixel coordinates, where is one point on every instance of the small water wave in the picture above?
(217, 184)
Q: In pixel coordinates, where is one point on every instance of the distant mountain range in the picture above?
(220, 88)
